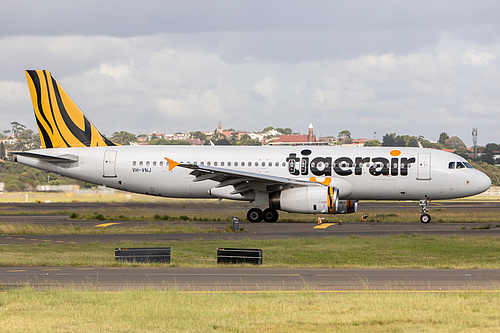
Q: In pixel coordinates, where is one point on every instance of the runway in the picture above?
(256, 279)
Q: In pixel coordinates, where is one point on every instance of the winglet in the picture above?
(171, 163)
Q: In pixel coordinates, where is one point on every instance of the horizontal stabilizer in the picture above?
(48, 158)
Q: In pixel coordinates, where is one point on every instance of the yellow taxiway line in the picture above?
(323, 225)
(105, 225)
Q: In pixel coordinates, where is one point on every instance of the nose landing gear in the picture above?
(424, 218)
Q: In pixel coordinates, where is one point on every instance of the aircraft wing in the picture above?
(242, 181)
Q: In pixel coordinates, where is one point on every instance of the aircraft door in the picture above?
(424, 167)
(109, 166)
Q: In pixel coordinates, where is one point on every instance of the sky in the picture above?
(371, 67)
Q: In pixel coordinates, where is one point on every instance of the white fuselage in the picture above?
(384, 173)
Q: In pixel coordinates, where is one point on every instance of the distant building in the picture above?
(257, 136)
(196, 142)
(177, 136)
(329, 139)
(227, 134)
(9, 140)
(356, 143)
(308, 139)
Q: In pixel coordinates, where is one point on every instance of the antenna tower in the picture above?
(474, 141)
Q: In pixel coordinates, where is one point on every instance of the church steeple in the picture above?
(310, 135)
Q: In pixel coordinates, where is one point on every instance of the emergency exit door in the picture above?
(109, 167)
(424, 167)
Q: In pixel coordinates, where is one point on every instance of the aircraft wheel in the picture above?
(425, 218)
(270, 215)
(254, 215)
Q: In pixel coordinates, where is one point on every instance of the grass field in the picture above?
(414, 251)
(147, 311)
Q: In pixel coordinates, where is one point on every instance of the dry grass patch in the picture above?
(149, 311)
(34, 229)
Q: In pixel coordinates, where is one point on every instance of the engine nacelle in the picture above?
(347, 206)
(308, 200)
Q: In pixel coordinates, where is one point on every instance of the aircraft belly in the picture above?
(383, 188)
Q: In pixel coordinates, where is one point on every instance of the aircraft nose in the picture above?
(483, 182)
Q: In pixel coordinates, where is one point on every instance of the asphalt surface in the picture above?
(245, 279)
(251, 279)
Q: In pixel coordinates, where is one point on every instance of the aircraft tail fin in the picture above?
(60, 121)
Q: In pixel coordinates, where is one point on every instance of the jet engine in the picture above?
(308, 200)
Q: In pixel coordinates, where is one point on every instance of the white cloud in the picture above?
(268, 88)
(477, 58)
(117, 71)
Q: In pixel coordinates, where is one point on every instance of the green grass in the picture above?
(147, 311)
(402, 251)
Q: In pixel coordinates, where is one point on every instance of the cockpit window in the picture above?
(460, 165)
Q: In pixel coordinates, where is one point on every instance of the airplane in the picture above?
(298, 179)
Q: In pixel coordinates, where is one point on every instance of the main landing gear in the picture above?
(257, 215)
(424, 218)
